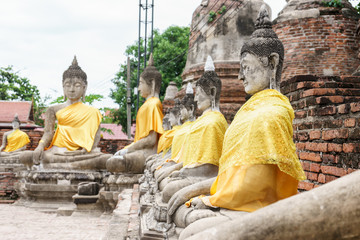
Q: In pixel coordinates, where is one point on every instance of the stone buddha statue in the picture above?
(74, 143)
(14, 141)
(201, 151)
(185, 113)
(258, 153)
(148, 126)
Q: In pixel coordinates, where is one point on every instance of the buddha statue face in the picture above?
(184, 113)
(202, 99)
(15, 125)
(262, 57)
(145, 89)
(74, 88)
(74, 82)
(173, 119)
(256, 72)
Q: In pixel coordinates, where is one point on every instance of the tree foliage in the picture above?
(170, 51)
(15, 87)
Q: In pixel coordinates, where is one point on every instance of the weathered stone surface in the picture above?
(331, 211)
(88, 188)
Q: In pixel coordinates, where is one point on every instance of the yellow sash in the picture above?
(259, 164)
(205, 139)
(77, 127)
(15, 140)
(179, 139)
(166, 139)
(149, 118)
(262, 133)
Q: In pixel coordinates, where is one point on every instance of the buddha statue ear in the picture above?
(153, 87)
(84, 94)
(273, 64)
(64, 97)
(213, 95)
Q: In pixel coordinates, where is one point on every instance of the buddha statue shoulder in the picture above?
(148, 126)
(74, 143)
(14, 141)
(259, 140)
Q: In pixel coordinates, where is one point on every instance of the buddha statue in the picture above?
(74, 143)
(201, 151)
(187, 107)
(258, 164)
(14, 141)
(148, 126)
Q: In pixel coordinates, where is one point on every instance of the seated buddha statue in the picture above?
(199, 156)
(74, 143)
(14, 141)
(258, 164)
(148, 126)
(186, 114)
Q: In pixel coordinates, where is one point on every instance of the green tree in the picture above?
(15, 87)
(170, 52)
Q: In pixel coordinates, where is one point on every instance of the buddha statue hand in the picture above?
(165, 172)
(199, 204)
(121, 152)
(186, 193)
(74, 153)
(37, 155)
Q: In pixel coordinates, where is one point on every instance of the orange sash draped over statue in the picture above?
(77, 127)
(149, 118)
(15, 140)
(259, 164)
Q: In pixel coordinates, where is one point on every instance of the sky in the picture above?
(39, 38)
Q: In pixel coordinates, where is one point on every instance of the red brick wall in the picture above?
(316, 45)
(7, 191)
(106, 146)
(326, 126)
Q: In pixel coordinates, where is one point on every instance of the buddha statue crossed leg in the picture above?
(74, 143)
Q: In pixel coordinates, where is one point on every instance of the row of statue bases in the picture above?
(197, 173)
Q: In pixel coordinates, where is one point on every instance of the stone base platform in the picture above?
(52, 185)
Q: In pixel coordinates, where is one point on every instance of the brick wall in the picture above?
(327, 45)
(326, 126)
(7, 191)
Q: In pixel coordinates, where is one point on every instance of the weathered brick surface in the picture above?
(326, 45)
(326, 126)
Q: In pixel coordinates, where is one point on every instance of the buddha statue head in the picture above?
(166, 124)
(188, 105)
(262, 57)
(150, 80)
(174, 114)
(16, 122)
(208, 88)
(74, 82)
